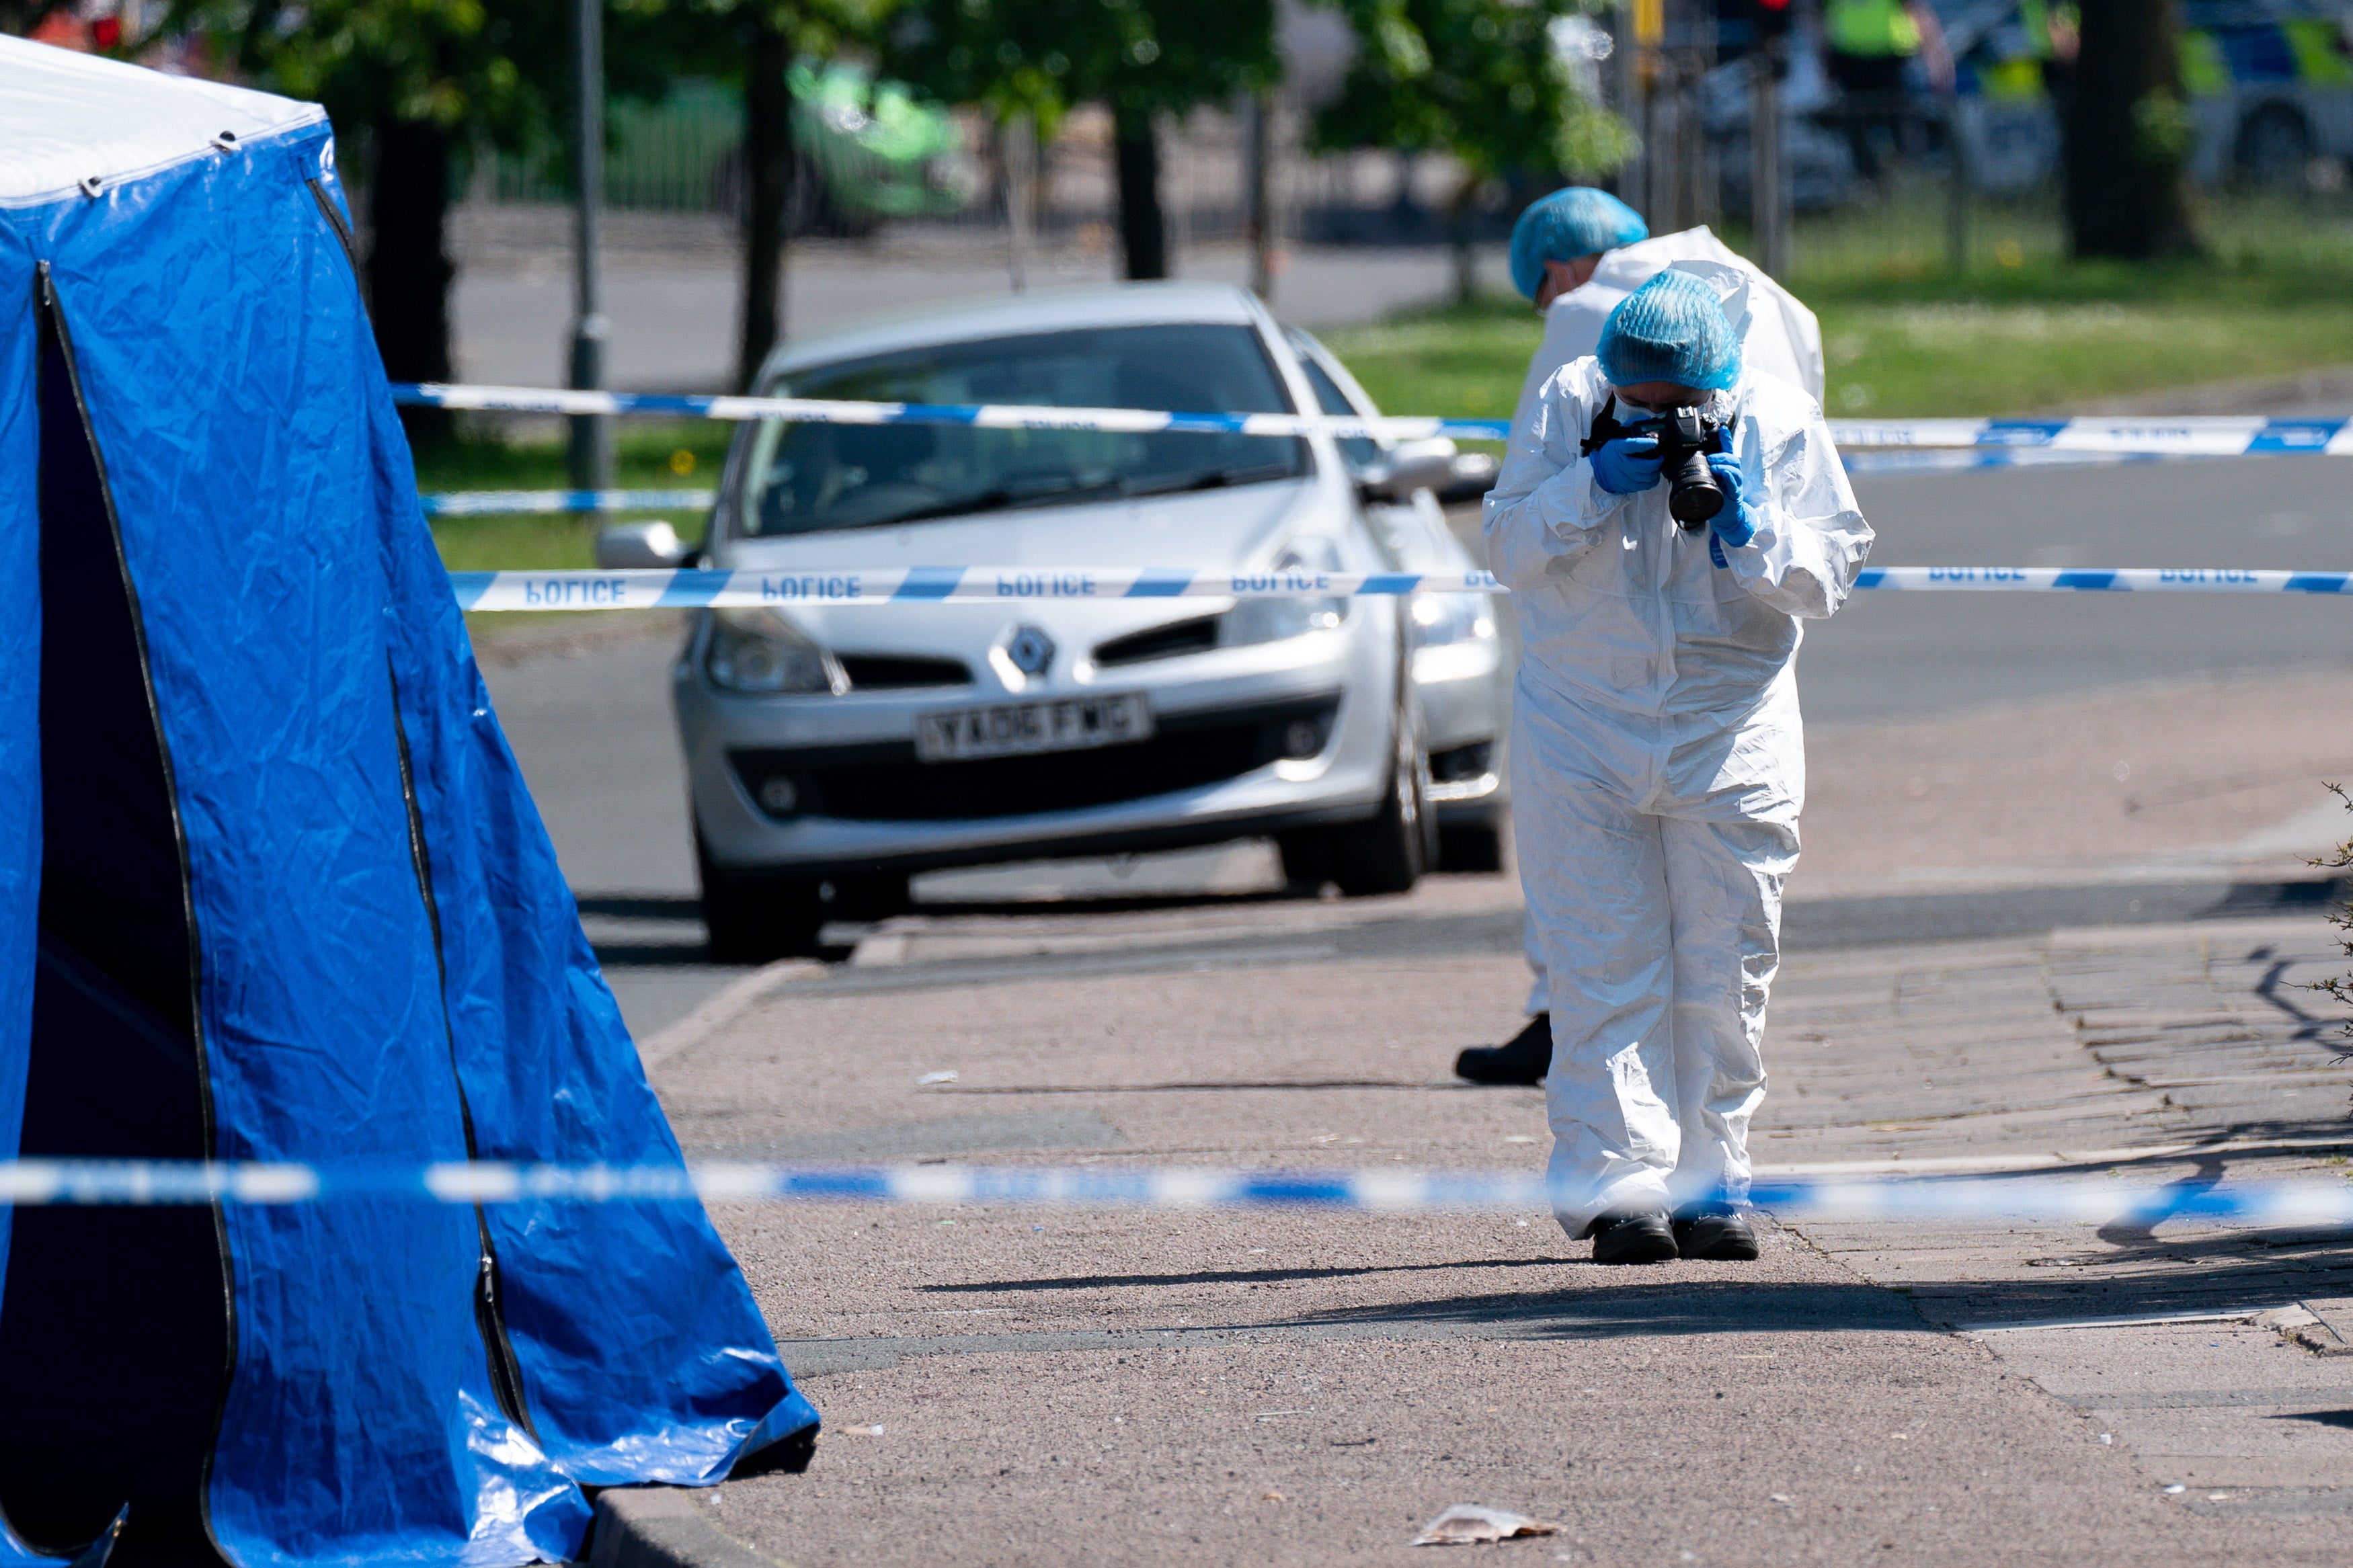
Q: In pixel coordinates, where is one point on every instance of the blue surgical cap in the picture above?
(1671, 329)
(1565, 225)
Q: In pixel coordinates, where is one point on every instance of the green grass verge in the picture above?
(666, 454)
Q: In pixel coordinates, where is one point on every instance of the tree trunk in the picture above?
(768, 169)
(1256, 111)
(408, 274)
(2129, 135)
(1462, 214)
(1143, 237)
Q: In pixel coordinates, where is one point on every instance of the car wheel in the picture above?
(875, 896)
(1476, 846)
(757, 921)
(1306, 859)
(2274, 149)
(1388, 853)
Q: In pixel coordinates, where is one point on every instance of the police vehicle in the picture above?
(2270, 84)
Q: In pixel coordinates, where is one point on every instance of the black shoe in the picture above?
(1634, 1238)
(1525, 1059)
(1719, 1234)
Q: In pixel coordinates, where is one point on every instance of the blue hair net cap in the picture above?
(1671, 329)
(1565, 225)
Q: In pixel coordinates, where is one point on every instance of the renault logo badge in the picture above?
(1031, 651)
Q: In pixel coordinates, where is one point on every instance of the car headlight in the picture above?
(760, 652)
(1454, 636)
(1439, 619)
(1257, 621)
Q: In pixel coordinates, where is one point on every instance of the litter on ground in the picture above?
(1468, 1523)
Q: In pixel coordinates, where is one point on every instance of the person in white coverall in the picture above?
(1657, 762)
(1577, 253)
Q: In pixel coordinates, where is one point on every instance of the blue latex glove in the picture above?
(1736, 523)
(1628, 465)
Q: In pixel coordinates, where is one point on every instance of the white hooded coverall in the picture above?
(1776, 333)
(1658, 768)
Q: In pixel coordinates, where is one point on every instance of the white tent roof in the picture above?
(68, 118)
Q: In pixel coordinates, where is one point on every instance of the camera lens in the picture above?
(1692, 496)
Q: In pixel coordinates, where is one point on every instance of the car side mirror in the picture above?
(1408, 466)
(640, 545)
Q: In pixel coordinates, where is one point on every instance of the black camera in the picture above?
(1686, 437)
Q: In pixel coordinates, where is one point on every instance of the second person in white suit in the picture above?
(1578, 253)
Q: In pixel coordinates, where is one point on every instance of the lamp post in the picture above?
(1768, 197)
(591, 451)
(1258, 122)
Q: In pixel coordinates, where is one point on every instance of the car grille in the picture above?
(1160, 642)
(896, 672)
(884, 782)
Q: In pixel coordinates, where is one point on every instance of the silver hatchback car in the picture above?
(833, 750)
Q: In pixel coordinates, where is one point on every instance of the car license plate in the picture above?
(1015, 729)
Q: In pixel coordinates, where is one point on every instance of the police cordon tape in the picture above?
(2205, 436)
(687, 588)
(985, 416)
(2103, 579)
(508, 503)
(93, 1182)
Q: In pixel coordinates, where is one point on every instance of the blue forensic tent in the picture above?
(271, 888)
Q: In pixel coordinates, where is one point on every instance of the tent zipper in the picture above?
(490, 1308)
(335, 217)
(53, 309)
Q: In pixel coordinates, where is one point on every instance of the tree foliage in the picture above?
(751, 44)
(661, 41)
(1481, 79)
(1142, 59)
(1043, 58)
(2339, 987)
(480, 70)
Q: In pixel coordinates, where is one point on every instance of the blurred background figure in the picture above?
(1874, 49)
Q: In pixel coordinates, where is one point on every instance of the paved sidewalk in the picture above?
(1054, 1386)
(2220, 1360)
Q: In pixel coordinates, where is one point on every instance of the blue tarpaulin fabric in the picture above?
(20, 673)
(387, 964)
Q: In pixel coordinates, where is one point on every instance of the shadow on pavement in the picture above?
(1235, 1275)
(1612, 1301)
(640, 906)
(1142, 903)
(2026, 912)
(1447, 1085)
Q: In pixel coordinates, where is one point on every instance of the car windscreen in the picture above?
(804, 478)
(1357, 451)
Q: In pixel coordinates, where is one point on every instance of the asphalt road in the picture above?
(673, 327)
(1891, 655)
(594, 730)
